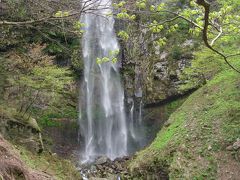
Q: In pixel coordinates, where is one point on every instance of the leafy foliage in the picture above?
(38, 80)
(111, 58)
(123, 35)
(166, 19)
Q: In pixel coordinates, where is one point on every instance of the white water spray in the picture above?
(103, 122)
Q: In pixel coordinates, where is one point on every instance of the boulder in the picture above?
(102, 160)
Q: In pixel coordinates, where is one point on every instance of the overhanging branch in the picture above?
(206, 7)
(38, 20)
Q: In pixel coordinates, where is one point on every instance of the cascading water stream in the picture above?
(103, 121)
(131, 127)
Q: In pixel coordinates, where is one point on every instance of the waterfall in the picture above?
(135, 125)
(131, 127)
(102, 120)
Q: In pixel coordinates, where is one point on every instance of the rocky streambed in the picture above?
(104, 168)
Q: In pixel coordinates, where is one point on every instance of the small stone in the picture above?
(167, 124)
(236, 145)
(229, 148)
(188, 43)
(93, 168)
(101, 160)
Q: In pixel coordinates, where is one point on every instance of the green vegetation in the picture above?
(50, 118)
(173, 106)
(163, 46)
(58, 168)
(40, 63)
(11, 114)
(198, 133)
(36, 87)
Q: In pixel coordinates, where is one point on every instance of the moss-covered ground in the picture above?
(45, 162)
(51, 164)
(193, 143)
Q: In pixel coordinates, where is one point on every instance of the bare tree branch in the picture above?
(169, 12)
(49, 38)
(217, 37)
(88, 6)
(37, 20)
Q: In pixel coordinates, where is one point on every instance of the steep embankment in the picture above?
(201, 139)
(17, 163)
(12, 167)
(21, 157)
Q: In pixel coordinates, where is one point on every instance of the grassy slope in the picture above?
(194, 145)
(58, 168)
(53, 165)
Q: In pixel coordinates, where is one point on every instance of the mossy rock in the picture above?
(28, 121)
(10, 114)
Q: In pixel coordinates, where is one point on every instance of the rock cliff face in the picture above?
(156, 75)
(165, 79)
(152, 71)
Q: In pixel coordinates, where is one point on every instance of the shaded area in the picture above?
(64, 138)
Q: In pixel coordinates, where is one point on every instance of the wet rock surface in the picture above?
(118, 170)
(104, 168)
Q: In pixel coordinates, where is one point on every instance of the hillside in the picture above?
(201, 138)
